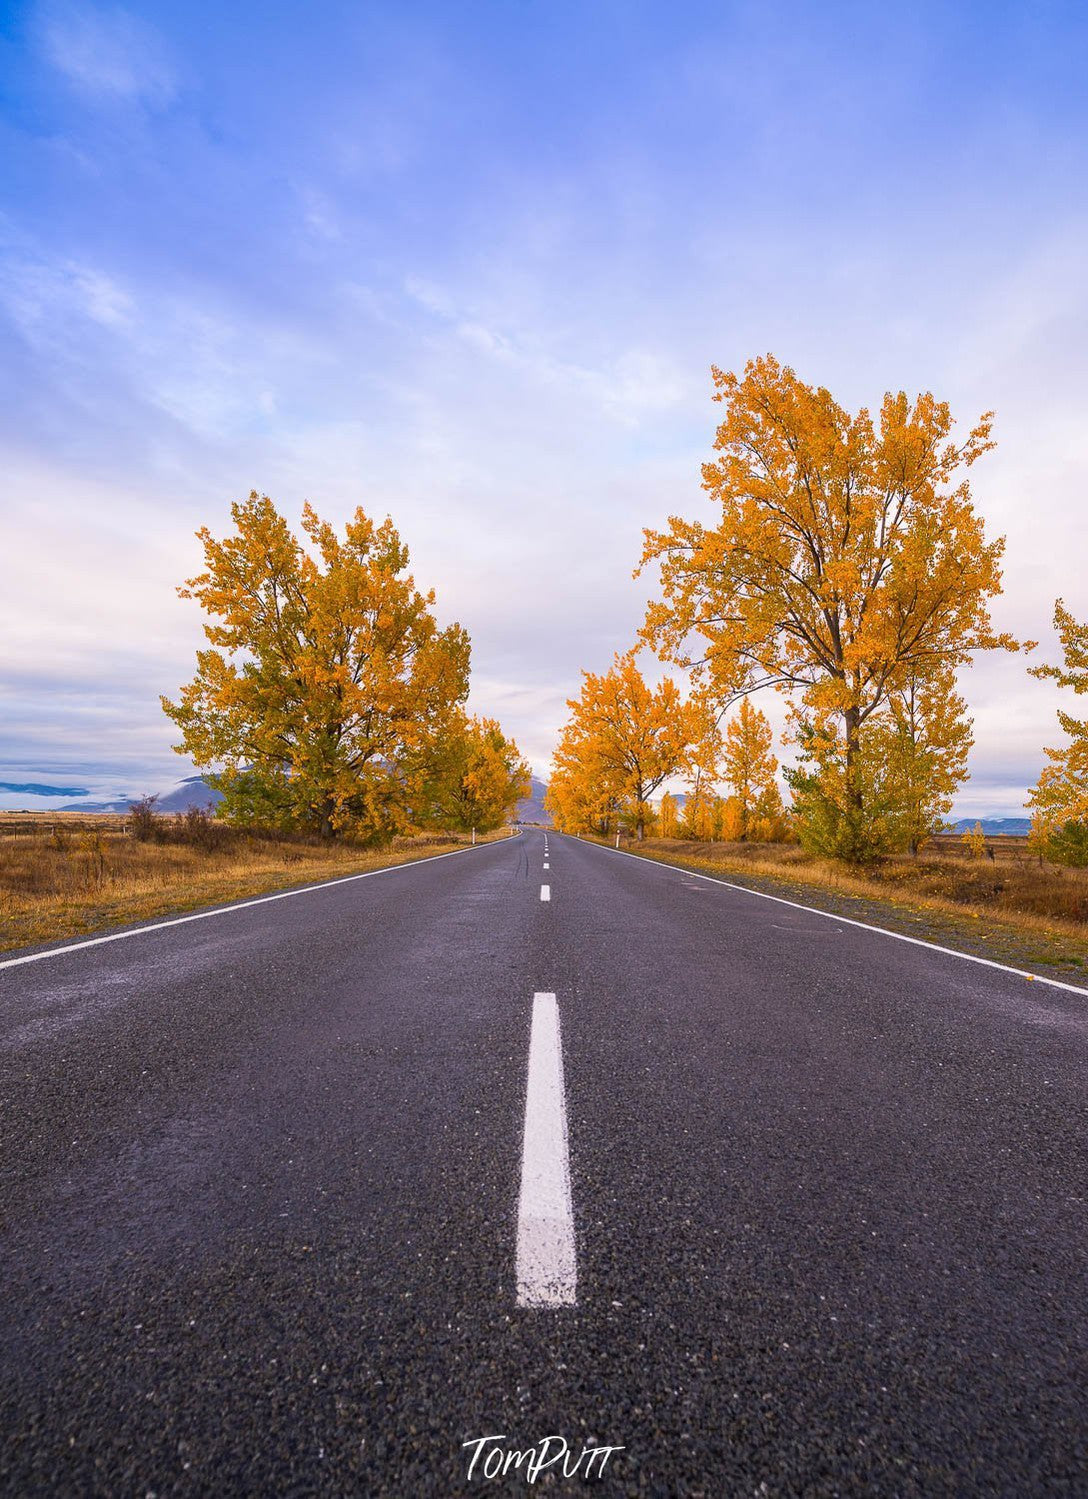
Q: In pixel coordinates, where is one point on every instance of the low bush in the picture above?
(426, 840)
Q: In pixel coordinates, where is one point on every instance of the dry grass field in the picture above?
(68, 875)
(1013, 907)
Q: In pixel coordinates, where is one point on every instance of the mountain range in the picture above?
(531, 808)
(1017, 827)
(195, 792)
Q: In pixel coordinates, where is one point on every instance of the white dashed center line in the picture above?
(546, 1268)
(545, 892)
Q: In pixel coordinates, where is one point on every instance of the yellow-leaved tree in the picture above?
(911, 757)
(925, 737)
(668, 816)
(700, 806)
(624, 739)
(845, 557)
(328, 682)
(473, 779)
(749, 769)
(1060, 797)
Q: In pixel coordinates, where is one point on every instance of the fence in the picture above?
(41, 825)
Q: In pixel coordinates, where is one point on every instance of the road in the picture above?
(277, 1219)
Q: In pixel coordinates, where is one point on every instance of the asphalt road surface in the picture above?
(794, 1209)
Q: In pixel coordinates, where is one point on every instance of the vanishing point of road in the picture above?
(301, 1196)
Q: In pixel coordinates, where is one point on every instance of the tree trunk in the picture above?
(853, 790)
(328, 830)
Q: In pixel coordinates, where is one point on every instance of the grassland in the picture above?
(67, 875)
(1013, 907)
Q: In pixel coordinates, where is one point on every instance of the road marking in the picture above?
(545, 892)
(865, 926)
(243, 905)
(546, 864)
(546, 1267)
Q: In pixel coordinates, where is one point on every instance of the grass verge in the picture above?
(1011, 910)
(77, 886)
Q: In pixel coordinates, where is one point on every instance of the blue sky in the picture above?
(469, 264)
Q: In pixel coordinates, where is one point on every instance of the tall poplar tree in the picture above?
(845, 557)
(749, 768)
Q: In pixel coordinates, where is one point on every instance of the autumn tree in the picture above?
(473, 778)
(846, 557)
(1060, 797)
(698, 819)
(749, 769)
(583, 795)
(974, 842)
(327, 680)
(924, 736)
(844, 813)
(623, 740)
(727, 820)
(668, 817)
(579, 799)
(911, 758)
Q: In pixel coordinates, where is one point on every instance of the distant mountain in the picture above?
(194, 791)
(1017, 827)
(532, 809)
(34, 788)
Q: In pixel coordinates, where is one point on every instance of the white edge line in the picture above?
(952, 952)
(243, 905)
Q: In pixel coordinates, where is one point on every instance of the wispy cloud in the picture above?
(107, 53)
(43, 295)
(627, 387)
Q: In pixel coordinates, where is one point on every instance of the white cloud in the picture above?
(43, 296)
(193, 358)
(107, 54)
(626, 387)
(319, 214)
(430, 296)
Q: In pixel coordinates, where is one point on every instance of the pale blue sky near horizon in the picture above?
(469, 264)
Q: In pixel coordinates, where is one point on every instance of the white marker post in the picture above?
(546, 1265)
